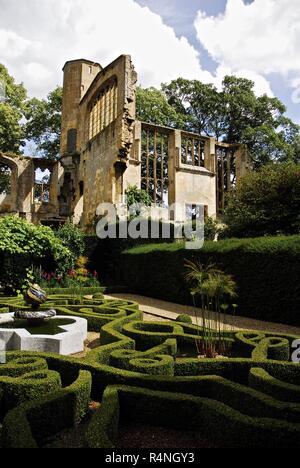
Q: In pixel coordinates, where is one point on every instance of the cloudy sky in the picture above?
(196, 39)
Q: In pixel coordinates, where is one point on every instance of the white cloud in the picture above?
(262, 37)
(45, 34)
(261, 84)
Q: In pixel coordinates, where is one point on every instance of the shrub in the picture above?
(266, 202)
(255, 395)
(27, 425)
(187, 412)
(184, 318)
(266, 271)
(23, 246)
(72, 238)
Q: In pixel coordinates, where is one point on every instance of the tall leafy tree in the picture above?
(44, 123)
(153, 107)
(236, 115)
(12, 109)
(202, 107)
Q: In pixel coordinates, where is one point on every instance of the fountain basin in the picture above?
(70, 335)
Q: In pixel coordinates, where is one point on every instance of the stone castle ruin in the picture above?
(104, 150)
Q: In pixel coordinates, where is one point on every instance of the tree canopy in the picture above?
(12, 108)
(233, 114)
(265, 202)
(44, 123)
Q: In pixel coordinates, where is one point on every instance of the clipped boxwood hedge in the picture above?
(228, 428)
(255, 395)
(29, 424)
(267, 271)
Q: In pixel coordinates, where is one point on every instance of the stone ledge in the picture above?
(70, 341)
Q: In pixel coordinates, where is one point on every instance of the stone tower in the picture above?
(78, 77)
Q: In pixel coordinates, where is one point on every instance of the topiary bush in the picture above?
(184, 318)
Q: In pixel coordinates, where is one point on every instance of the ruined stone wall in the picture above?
(20, 200)
(101, 147)
(106, 156)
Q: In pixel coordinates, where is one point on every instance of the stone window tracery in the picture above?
(155, 165)
(103, 110)
(192, 151)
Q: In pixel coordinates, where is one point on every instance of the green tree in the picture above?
(265, 202)
(5, 179)
(12, 109)
(44, 123)
(201, 106)
(236, 115)
(137, 196)
(153, 107)
(72, 237)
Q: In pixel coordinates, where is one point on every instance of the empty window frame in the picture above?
(192, 151)
(155, 165)
(104, 109)
(226, 174)
(5, 179)
(42, 186)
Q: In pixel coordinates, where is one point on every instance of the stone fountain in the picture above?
(70, 340)
(35, 297)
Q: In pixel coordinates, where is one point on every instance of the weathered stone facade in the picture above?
(104, 149)
(23, 197)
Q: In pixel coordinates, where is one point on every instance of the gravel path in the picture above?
(156, 309)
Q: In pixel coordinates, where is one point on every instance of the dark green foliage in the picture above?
(266, 202)
(266, 271)
(23, 246)
(254, 394)
(27, 425)
(184, 318)
(262, 381)
(12, 110)
(72, 238)
(235, 114)
(103, 430)
(44, 123)
(105, 254)
(153, 107)
(209, 417)
(22, 380)
(136, 196)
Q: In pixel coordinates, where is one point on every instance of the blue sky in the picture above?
(181, 14)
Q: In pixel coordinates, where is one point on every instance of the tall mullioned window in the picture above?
(192, 150)
(104, 109)
(155, 164)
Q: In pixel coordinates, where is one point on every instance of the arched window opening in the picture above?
(42, 186)
(5, 179)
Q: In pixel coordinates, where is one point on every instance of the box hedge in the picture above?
(267, 271)
(224, 426)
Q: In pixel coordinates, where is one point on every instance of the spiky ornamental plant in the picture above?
(213, 286)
